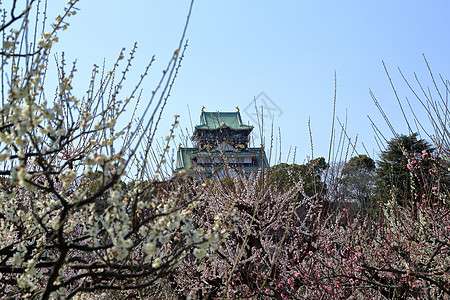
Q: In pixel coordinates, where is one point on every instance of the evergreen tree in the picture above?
(358, 182)
(283, 176)
(393, 169)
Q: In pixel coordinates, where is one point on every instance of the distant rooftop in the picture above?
(216, 120)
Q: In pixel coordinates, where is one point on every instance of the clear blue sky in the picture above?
(289, 50)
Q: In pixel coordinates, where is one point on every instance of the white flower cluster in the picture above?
(19, 255)
(29, 278)
(158, 234)
(203, 240)
(47, 40)
(62, 194)
(117, 223)
(108, 165)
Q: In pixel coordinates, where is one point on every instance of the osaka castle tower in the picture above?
(221, 148)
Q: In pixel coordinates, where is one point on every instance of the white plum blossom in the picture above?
(79, 205)
(199, 253)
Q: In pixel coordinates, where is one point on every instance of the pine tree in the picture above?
(393, 169)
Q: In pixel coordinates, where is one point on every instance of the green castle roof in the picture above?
(216, 120)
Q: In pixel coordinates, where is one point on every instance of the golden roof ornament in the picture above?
(203, 109)
(237, 108)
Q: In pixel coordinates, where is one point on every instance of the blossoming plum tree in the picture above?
(61, 154)
(286, 245)
(270, 220)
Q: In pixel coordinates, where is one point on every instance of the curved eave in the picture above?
(241, 127)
